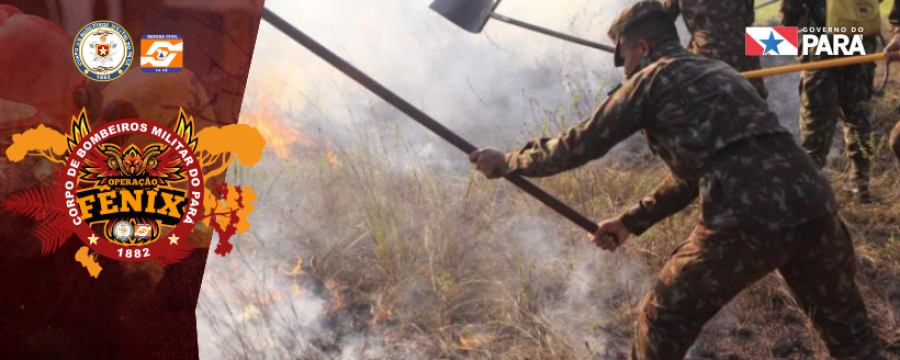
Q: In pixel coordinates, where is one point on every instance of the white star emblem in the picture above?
(173, 240)
(93, 239)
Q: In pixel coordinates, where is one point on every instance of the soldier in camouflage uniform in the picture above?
(894, 19)
(829, 94)
(892, 49)
(765, 205)
(717, 31)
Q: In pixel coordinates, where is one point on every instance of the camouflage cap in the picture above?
(642, 10)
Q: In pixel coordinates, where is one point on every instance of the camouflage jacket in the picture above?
(716, 27)
(714, 133)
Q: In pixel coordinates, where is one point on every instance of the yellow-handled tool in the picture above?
(853, 60)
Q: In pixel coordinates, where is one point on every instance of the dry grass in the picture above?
(399, 260)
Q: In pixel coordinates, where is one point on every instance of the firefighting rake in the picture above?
(419, 116)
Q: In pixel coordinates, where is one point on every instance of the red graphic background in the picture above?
(789, 34)
(50, 308)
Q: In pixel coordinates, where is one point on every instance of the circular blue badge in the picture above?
(103, 50)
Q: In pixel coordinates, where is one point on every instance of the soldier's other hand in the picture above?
(892, 49)
(490, 162)
(611, 234)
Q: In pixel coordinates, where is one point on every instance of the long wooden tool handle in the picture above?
(760, 6)
(419, 116)
(556, 34)
(816, 65)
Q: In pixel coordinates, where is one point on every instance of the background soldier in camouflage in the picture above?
(717, 31)
(894, 45)
(829, 94)
(764, 205)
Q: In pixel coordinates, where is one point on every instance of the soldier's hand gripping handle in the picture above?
(892, 49)
(490, 162)
(611, 234)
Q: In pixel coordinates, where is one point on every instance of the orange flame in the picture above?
(337, 296)
(262, 111)
(475, 342)
(266, 110)
(296, 289)
(475, 338)
(332, 158)
(250, 312)
(298, 268)
(382, 316)
(279, 136)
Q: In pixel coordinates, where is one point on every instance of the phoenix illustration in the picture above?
(159, 161)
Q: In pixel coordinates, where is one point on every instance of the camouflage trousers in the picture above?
(838, 93)
(816, 259)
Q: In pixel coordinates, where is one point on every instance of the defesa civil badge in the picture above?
(103, 50)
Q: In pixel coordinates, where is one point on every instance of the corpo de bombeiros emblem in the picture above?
(133, 189)
(133, 192)
(103, 50)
